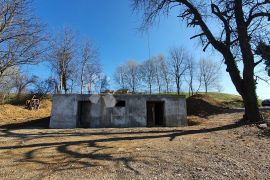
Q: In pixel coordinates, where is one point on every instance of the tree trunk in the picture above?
(61, 84)
(252, 113)
(82, 82)
(81, 86)
(178, 86)
(191, 86)
(167, 86)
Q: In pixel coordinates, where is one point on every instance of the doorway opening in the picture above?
(84, 115)
(155, 114)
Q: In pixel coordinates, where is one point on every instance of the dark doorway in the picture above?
(84, 115)
(155, 113)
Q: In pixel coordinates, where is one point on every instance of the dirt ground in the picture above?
(215, 149)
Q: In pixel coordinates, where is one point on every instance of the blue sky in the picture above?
(112, 26)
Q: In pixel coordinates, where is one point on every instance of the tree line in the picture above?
(75, 65)
(73, 61)
(240, 28)
(241, 36)
(161, 74)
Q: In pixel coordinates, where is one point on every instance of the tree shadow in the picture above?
(98, 152)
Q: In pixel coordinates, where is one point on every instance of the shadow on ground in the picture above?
(45, 140)
(42, 123)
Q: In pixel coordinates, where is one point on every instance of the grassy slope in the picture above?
(230, 100)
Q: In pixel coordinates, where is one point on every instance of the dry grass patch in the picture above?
(14, 114)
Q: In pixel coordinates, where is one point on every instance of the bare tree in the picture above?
(242, 24)
(120, 76)
(132, 75)
(219, 87)
(178, 65)
(7, 82)
(209, 73)
(190, 75)
(165, 72)
(158, 62)
(22, 81)
(21, 35)
(88, 60)
(148, 73)
(61, 57)
(103, 83)
(92, 74)
(44, 87)
(263, 50)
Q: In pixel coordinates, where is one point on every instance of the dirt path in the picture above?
(215, 149)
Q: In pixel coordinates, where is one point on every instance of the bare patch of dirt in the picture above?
(215, 148)
(203, 105)
(18, 114)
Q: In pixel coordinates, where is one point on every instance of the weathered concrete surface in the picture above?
(102, 111)
(64, 111)
(175, 113)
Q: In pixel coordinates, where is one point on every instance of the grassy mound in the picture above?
(229, 100)
(203, 105)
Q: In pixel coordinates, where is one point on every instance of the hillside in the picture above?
(229, 100)
(13, 114)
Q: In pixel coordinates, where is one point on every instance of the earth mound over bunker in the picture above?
(203, 105)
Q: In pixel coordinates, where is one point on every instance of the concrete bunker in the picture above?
(118, 111)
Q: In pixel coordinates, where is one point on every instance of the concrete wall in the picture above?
(102, 112)
(64, 111)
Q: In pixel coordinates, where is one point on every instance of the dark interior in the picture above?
(120, 104)
(84, 108)
(155, 113)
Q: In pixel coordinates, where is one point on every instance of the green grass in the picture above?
(229, 100)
